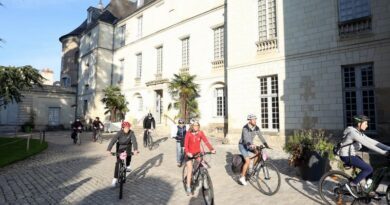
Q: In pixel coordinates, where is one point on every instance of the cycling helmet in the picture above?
(181, 121)
(251, 117)
(126, 124)
(150, 115)
(194, 121)
(360, 118)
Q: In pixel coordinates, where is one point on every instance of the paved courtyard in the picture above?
(72, 174)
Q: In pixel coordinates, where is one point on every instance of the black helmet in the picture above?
(360, 118)
(181, 121)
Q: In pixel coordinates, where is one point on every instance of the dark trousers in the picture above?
(128, 160)
(358, 163)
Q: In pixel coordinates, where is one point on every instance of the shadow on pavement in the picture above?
(311, 189)
(141, 171)
(228, 167)
(157, 143)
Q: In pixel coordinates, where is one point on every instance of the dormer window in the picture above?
(89, 20)
(140, 3)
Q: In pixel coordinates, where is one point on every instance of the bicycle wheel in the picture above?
(207, 188)
(121, 181)
(145, 140)
(184, 177)
(332, 190)
(150, 142)
(267, 178)
(100, 138)
(79, 138)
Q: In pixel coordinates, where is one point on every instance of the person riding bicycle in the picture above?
(76, 126)
(149, 124)
(180, 136)
(192, 148)
(97, 125)
(353, 140)
(246, 146)
(125, 140)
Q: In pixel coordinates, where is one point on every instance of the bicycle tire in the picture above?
(121, 181)
(100, 138)
(150, 142)
(79, 138)
(145, 140)
(207, 188)
(268, 179)
(337, 194)
(184, 177)
(388, 195)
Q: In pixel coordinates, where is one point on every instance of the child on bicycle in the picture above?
(353, 140)
(180, 136)
(246, 146)
(192, 141)
(125, 140)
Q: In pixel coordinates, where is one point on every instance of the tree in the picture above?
(14, 80)
(184, 91)
(115, 103)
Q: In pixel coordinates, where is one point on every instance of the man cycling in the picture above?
(76, 126)
(125, 140)
(246, 146)
(353, 140)
(97, 126)
(149, 124)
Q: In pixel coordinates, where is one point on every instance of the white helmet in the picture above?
(251, 117)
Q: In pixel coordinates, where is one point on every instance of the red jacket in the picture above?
(192, 142)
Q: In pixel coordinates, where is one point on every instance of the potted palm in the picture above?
(310, 151)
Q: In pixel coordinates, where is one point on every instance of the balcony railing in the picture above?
(355, 26)
(266, 45)
(217, 64)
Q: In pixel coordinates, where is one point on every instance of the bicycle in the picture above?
(77, 139)
(148, 139)
(121, 170)
(200, 173)
(333, 191)
(264, 173)
(97, 135)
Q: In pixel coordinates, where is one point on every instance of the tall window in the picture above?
(159, 59)
(139, 20)
(267, 25)
(121, 70)
(66, 81)
(185, 52)
(54, 116)
(354, 16)
(269, 102)
(139, 65)
(89, 41)
(218, 43)
(220, 102)
(122, 35)
(139, 103)
(359, 93)
(85, 107)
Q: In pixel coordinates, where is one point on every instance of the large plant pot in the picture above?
(314, 167)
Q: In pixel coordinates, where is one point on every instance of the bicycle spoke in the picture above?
(267, 179)
(332, 189)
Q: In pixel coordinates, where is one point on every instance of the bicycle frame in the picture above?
(259, 162)
(197, 166)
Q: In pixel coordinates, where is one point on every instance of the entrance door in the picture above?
(159, 108)
(54, 115)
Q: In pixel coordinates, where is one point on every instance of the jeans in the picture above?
(179, 152)
(359, 163)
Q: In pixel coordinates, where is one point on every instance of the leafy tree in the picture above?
(184, 91)
(115, 103)
(14, 80)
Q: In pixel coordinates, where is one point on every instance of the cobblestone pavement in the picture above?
(72, 174)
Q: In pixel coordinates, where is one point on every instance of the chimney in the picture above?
(48, 74)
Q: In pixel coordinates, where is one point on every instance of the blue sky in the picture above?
(31, 29)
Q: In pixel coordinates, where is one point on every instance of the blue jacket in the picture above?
(180, 135)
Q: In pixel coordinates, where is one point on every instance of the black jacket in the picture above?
(77, 124)
(125, 142)
(180, 135)
(149, 123)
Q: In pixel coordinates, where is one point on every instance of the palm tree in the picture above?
(184, 91)
(115, 103)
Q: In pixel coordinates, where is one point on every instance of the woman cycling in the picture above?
(125, 139)
(192, 147)
(352, 141)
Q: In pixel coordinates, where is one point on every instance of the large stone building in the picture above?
(307, 64)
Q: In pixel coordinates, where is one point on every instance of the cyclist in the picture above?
(246, 146)
(76, 126)
(125, 140)
(97, 125)
(353, 140)
(149, 124)
(180, 136)
(192, 147)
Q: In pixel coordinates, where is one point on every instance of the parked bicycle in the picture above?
(265, 174)
(121, 170)
(200, 175)
(77, 135)
(333, 191)
(148, 139)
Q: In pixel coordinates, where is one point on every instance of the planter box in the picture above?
(314, 167)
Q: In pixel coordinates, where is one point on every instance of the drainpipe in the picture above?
(225, 64)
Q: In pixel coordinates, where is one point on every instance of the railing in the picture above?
(355, 26)
(267, 45)
(217, 64)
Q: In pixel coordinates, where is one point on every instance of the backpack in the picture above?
(237, 163)
(338, 146)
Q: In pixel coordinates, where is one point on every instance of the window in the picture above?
(89, 41)
(122, 35)
(85, 107)
(267, 25)
(354, 16)
(139, 33)
(121, 71)
(89, 20)
(54, 116)
(185, 52)
(221, 109)
(139, 65)
(140, 3)
(66, 81)
(139, 103)
(269, 102)
(218, 43)
(159, 59)
(359, 93)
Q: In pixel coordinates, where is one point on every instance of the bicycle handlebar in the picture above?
(117, 154)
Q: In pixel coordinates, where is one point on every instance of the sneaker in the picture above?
(188, 190)
(178, 164)
(352, 189)
(114, 182)
(243, 181)
(128, 169)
